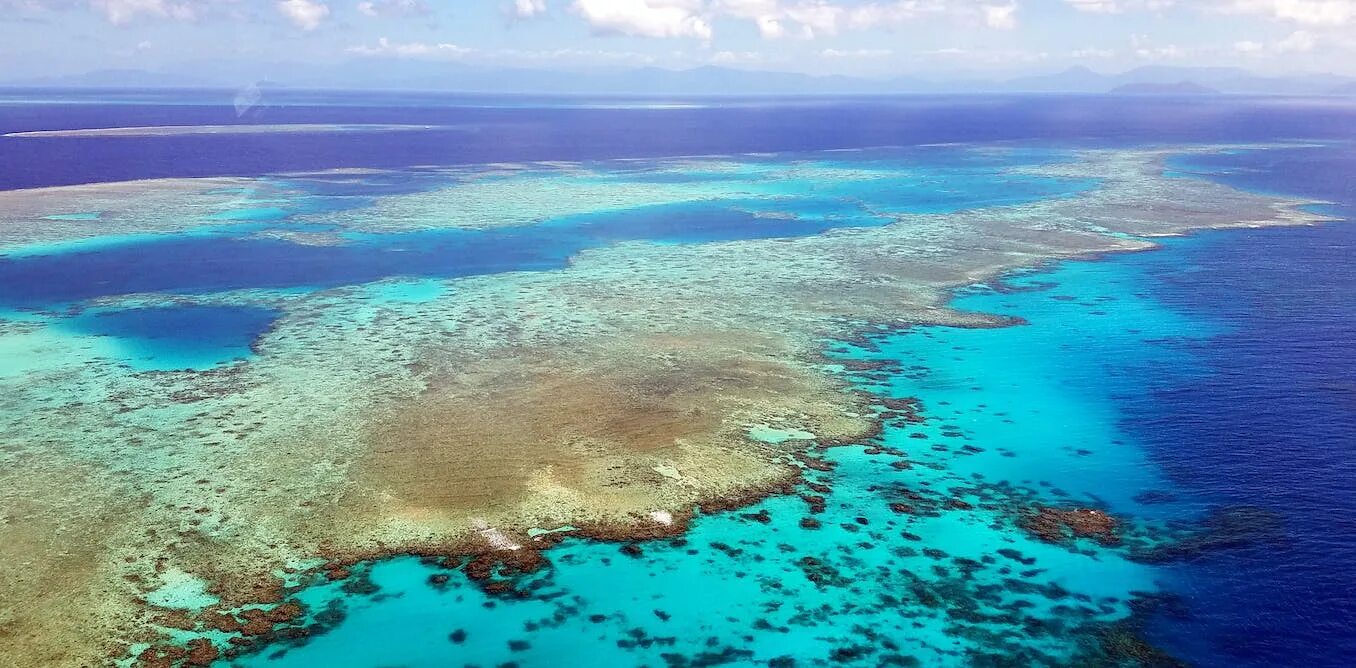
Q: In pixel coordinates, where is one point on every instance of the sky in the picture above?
(870, 38)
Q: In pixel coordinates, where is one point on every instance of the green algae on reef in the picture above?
(613, 395)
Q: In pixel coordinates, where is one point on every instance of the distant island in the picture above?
(1179, 88)
(378, 73)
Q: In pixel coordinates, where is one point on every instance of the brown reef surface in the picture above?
(614, 395)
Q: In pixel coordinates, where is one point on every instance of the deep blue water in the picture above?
(1273, 423)
(517, 129)
(194, 264)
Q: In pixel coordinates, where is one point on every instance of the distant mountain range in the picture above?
(1179, 88)
(1212, 79)
(395, 74)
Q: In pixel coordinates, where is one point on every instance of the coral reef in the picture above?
(613, 395)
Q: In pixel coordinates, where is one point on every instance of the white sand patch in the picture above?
(775, 436)
(668, 471)
(496, 538)
(182, 591)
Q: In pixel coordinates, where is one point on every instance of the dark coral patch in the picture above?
(1061, 525)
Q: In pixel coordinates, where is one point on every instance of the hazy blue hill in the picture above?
(1241, 81)
(1083, 80)
(1179, 88)
(1073, 80)
(383, 73)
(1218, 79)
(726, 81)
(443, 76)
(1173, 74)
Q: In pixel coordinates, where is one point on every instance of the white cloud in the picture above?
(777, 18)
(305, 14)
(1001, 17)
(1092, 53)
(647, 18)
(394, 8)
(1144, 48)
(856, 53)
(119, 12)
(815, 18)
(526, 9)
(1297, 41)
(769, 27)
(807, 19)
(1329, 13)
(1096, 6)
(140, 48)
(1300, 41)
(892, 14)
(736, 57)
(385, 47)
(987, 56)
(1118, 6)
(889, 15)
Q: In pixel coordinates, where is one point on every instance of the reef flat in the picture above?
(72, 214)
(611, 387)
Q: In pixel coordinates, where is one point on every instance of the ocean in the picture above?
(1204, 392)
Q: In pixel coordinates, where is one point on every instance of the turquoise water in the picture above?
(170, 338)
(1015, 417)
(1047, 393)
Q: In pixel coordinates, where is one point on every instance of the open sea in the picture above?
(1206, 389)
